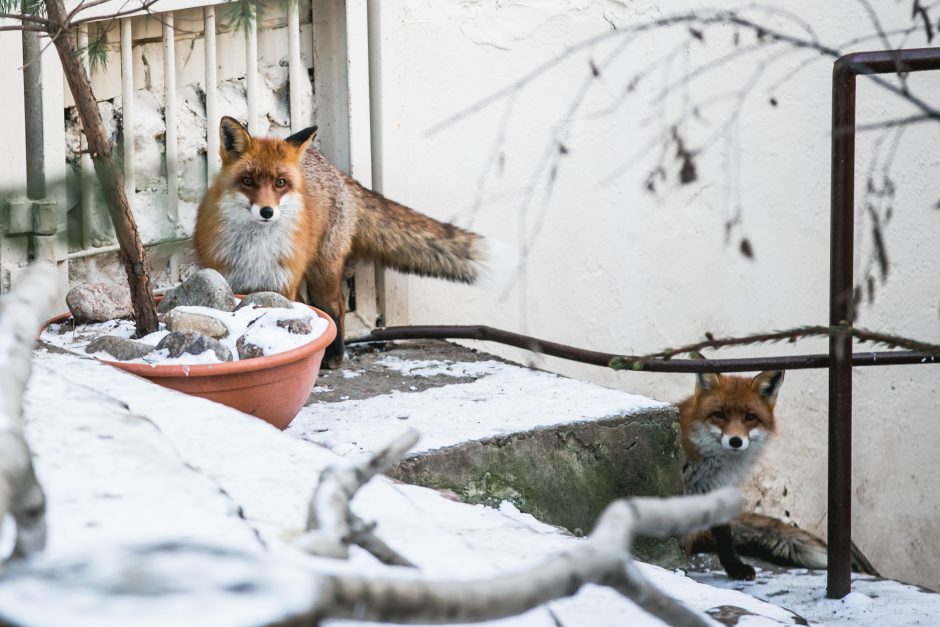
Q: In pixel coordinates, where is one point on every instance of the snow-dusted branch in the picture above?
(331, 525)
(22, 312)
(603, 558)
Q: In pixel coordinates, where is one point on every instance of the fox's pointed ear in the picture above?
(707, 381)
(302, 139)
(768, 384)
(234, 140)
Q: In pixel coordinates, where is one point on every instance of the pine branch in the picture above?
(632, 362)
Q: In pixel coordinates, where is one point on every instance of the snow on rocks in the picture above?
(98, 302)
(196, 335)
(179, 320)
(178, 343)
(265, 300)
(118, 348)
(206, 288)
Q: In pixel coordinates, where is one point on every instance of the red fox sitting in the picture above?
(725, 425)
(279, 214)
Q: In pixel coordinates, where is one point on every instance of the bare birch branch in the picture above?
(631, 362)
(603, 558)
(331, 525)
(22, 313)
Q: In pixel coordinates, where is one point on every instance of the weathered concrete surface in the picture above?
(563, 473)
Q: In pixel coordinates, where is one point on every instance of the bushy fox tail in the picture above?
(401, 238)
(777, 542)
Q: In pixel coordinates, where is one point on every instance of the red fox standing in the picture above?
(725, 425)
(279, 214)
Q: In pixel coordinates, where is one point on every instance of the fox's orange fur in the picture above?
(320, 220)
(725, 424)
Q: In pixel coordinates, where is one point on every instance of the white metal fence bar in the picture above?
(127, 102)
(357, 67)
(169, 103)
(212, 106)
(360, 139)
(251, 71)
(87, 169)
(296, 70)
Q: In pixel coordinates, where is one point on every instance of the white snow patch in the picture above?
(436, 367)
(509, 399)
(125, 461)
(872, 601)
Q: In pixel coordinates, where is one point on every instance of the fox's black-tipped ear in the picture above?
(302, 139)
(707, 381)
(768, 384)
(234, 139)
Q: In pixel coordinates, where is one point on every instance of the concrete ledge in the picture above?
(554, 447)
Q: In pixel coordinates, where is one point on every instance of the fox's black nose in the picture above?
(735, 442)
(267, 213)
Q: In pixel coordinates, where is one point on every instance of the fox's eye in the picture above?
(247, 181)
(718, 413)
(280, 183)
(750, 417)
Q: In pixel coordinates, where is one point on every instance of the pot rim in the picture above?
(229, 367)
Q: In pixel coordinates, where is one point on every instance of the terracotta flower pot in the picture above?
(273, 388)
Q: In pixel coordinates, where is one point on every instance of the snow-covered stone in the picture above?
(120, 348)
(98, 302)
(179, 342)
(206, 288)
(247, 350)
(265, 300)
(178, 320)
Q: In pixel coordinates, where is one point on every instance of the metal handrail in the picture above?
(840, 359)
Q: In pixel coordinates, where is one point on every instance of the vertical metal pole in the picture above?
(251, 70)
(127, 99)
(298, 120)
(87, 168)
(32, 101)
(841, 311)
(212, 106)
(169, 104)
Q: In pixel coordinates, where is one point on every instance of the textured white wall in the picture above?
(613, 267)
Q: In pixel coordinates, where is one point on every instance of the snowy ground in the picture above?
(502, 399)
(126, 462)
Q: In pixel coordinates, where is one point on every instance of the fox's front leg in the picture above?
(325, 287)
(728, 555)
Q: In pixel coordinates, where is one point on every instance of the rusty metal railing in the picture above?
(840, 358)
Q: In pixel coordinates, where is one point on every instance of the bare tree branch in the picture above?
(630, 362)
(22, 313)
(603, 558)
(331, 525)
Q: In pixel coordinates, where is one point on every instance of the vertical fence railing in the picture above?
(212, 106)
(86, 168)
(295, 68)
(251, 71)
(127, 103)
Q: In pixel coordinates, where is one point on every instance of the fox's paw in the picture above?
(332, 362)
(740, 571)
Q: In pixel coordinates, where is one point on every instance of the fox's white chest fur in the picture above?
(718, 466)
(252, 253)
